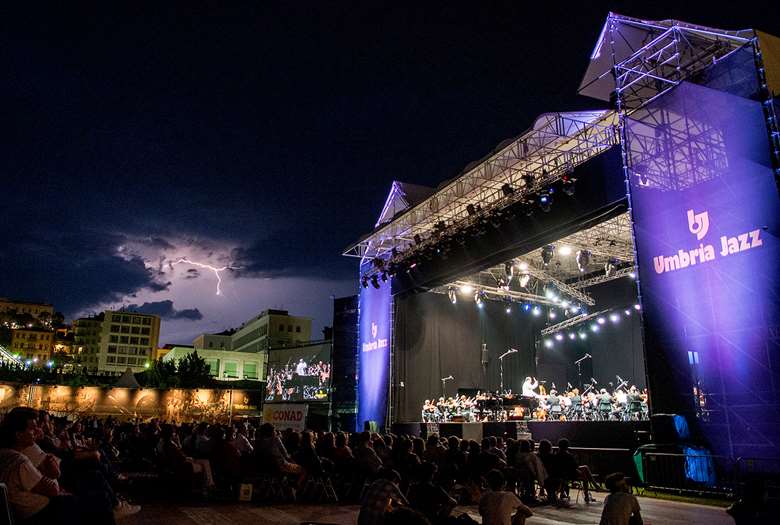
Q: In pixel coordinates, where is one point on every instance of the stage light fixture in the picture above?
(507, 190)
(509, 309)
(523, 282)
(567, 184)
(564, 250)
(549, 293)
(614, 318)
(572, 336)
(627, 312)
(536, 311)
(478, 296)
(375, 281)
(601, 320)
(637, 307)
(545, 200)
(548, 343)
(466, 288)
(509, 270)
(552, 314)
(583, 335)
(528, 180)
(558, 337)
(522, 265)
(594, 327)
(452, 295)
(565, 303)
(470, 209)
(610, 267)
(417, 238)
(632, 275)
(547, 253)
(575, 308)
(364, 281)
(583, 259)
(526, 307)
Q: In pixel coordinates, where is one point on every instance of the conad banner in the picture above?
(283, 416)
(374, 354)
(707, 217)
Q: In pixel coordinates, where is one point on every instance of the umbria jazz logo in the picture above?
(699, 225)
(374, 343)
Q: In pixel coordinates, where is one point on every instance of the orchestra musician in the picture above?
(529, 387)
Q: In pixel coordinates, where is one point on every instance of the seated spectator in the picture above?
(428, 498)
(307, 457)
(342, 453)
(552, 483)
(240, 440)
(35, 497)
(272, 454)
(380, 496)
(365, 456)
(620, 506)
(326, 446)
(225, 457)
(434, 452)
(496, 505)
(196, 471)
(406, 461)
(530, 470)
(570, 470)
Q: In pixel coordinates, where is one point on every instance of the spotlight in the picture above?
(523, 265)
(610, 267)
(466, 289)
(558, 337)
(594, 327)
(50, 364)
(632, 275)
(568, 185)
(600, 320)
(637, 307)
(565, 304)
(523, 282)
(614, 318)
(549, 293)
(564, 250)
(528, 180)
(627, 312)
(471, 210)
(548, 343)
(478, 297)
(572, 336)
(575, 308)
(583, 335)
(507, 190)
(509, 270)
(509, 309)
(552, 314)
(375, 281)
(452, 295)
(547, 253)
(583, 259)
(417, 238)
(364, 281)
(545, 200)
(536, 311)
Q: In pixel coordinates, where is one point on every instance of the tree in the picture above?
(194, 371)
(161, 374)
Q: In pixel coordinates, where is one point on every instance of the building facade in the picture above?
(213, 342)
(33, 344)
(114, 341)
(224, 365)
(25, 307)
(271, 329)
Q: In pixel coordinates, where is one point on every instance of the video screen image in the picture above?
(299, 374)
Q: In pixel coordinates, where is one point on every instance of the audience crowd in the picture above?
(58, 470)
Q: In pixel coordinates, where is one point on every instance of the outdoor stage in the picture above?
(633, 245)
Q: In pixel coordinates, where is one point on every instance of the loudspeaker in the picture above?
(484, 354)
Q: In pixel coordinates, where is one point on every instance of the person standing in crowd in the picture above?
(380, 497)
(497, 505)
(620, 506)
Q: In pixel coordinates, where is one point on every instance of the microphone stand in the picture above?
(578, 362)
(501, 366)
(443, 385)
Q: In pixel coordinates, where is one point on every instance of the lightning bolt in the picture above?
(208, 267)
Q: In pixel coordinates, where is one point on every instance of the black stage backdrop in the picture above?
(616, 348)
(435, 338)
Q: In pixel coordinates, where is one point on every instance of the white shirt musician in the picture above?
(300, 368)
(529, 385)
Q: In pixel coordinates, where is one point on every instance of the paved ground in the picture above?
(654, 512)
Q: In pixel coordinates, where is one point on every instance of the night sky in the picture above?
(264, 138)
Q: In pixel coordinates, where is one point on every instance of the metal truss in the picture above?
(670, 52)
(495, 292)
(599, 279)
(557, 143)
(560, 285)
(573, 321)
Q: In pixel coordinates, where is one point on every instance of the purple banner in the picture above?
(374, 353)
(705, 209)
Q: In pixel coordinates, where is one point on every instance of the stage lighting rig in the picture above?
(547, 254)
(528, 180)
(567, 185)
(509, 270)
(384, 277)
(507, 190)
(479, 298)
(471, 210)
(583, 260)
(524, 279)
(417, 238)
(610, 267)
(375, 281)
(364, 281)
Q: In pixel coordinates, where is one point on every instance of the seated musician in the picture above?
(634, 401)
(554, 403)
(576, 403)
(605, 403)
